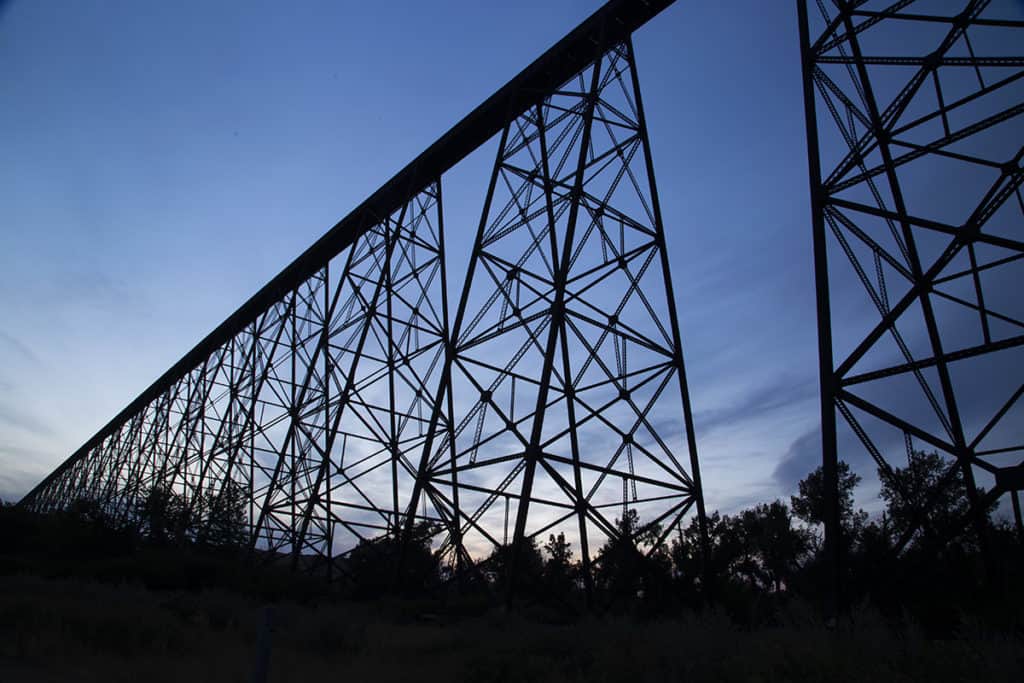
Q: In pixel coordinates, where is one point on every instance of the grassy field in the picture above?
(65, 630)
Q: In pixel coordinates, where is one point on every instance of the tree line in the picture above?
(759, 560)
(764, 558)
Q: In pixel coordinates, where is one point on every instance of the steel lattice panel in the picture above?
(915, 141)
(332, 400)
(567, 375)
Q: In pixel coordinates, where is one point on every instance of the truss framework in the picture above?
(344, 406)
(915, 144)
(312, 411)
(340, 406)
(566, 373)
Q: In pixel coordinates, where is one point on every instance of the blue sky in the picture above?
(159, 162)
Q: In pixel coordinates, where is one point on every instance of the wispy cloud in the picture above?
(13, 487)
(76, 290)
(21, 453)
(23, 420)
(96, 289)
(780, 393)
(802, 457)
(20, 348)
(748, 497)
(15, 479)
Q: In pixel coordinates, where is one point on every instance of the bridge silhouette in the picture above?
(348, 400)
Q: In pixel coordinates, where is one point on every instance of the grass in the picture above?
(71, 630)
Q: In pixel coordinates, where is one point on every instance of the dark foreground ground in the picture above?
(69, 630)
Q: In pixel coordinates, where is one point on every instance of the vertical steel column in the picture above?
(833, 541)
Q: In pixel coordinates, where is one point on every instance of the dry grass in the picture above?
(63, 630)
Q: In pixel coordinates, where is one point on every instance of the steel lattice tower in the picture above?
(567, 371)
(914, 141)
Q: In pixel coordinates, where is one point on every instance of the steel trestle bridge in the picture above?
(348, 400)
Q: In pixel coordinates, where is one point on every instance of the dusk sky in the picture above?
(159, 162)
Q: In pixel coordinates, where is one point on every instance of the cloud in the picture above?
(780, 393)
(95, 289)
(15, 481)
(748, 497)
(802, 457)
(76, 290)
(24, 421)
(13, 489)
(19, 347)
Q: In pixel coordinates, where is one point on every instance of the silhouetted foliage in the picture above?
(931, 565)
(225, 519)
(760, 559)
(164, 517)
(772, 548)
(632, 564)
(759, 548)
(388, 565)
(560, 571)
(809, 504)
(524, 561)
(929, 479)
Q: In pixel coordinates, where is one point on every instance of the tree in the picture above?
(690, 566)
(373, 565)
(758, 548)
(809, 505)
(226, 523)
(921, 485)
(91, 512)
(164, 517)
(632, 564)
(687, 554)
(523, 566)
(560, 571)
(772, 547)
